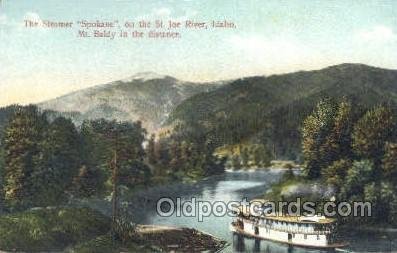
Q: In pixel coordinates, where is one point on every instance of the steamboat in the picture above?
(302, 231)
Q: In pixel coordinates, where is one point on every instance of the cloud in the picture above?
(259, 54)
(276, 49)
(162, 12)
(167, 13)
(3, 19)
(378, 34)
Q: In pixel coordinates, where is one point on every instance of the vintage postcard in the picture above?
(198, 126)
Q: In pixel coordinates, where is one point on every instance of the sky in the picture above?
(270, 37)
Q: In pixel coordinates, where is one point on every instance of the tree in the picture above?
(136, 173)
(371, 133)
(335, 174)
(393, 211)
(389, 162)
(244, 154)
(2, 205)
(236, 163)
(174, 154)
(316, 128)
(88, 182)
(57, 162)
(101, 138)
(151, 149)
(23, 134)
(357, 177)
(338, 142)
(261, 155)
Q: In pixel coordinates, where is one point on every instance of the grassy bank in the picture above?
(105, 244)
(50, 229)
(83, 230)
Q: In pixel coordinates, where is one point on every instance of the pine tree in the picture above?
(21, 145)
(57, 163)
(88, 182)
(185, 155)
(174, 153)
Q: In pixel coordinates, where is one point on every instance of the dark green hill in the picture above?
(270, 109)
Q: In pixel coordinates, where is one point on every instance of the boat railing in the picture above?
(293, 230)
(298, 231)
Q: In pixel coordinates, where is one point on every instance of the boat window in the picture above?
(318, 237)
(305, 236)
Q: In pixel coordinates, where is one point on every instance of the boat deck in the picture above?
(329, 246)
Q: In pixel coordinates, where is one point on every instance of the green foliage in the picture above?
(21, 145)
(101, 138)
(125, 230)
(185, 154)
(134, 174)
(245, 155)
(335, 174)
(261, 156)
(288, 179)
(326, 136)
(392, 216)
(338, 142)
(273, 108)
(372, 131)
(236, 163)
(389, 162)
(105, 244)
(57, 163)
(43, 162)
(88, 182)
(316, 128)
(151, 149)
(360, 174)
(355, 152)
(100, 244)
(50, 229)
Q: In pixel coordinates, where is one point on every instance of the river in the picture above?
(236, 186)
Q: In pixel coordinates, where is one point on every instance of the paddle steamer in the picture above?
(303, 231)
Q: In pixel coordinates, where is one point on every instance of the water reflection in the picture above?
(235, 186)
(244, 244)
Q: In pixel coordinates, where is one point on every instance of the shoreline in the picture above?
(169, 238)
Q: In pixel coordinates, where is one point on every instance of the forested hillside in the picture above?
(270, 110)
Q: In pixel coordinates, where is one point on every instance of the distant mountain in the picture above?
(271, 109)
(147, 97)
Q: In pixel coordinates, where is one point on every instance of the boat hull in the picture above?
(240, 231)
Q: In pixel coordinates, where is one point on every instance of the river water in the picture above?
(234, 186)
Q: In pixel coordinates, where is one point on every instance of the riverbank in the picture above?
(83, 230)
(179, 239)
